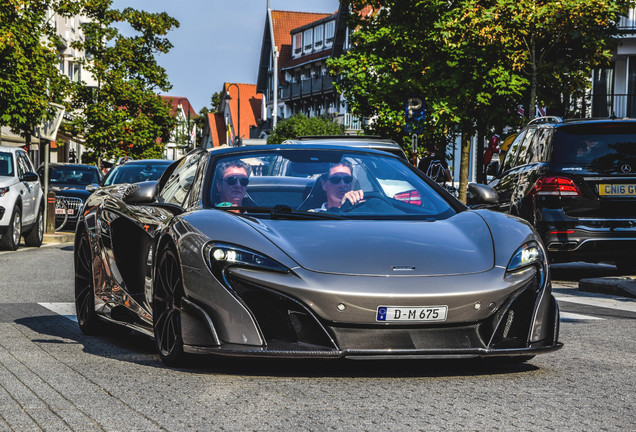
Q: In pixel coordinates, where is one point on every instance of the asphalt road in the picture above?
(54, 378)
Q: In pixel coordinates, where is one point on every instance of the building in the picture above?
(294, 51)
(614, 89)
(236, 122)
(183, 136)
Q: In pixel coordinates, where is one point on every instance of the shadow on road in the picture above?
(579, 270)
(136, 348)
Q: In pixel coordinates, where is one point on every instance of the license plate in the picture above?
(61, 211)
(616, 189)
(411, 313)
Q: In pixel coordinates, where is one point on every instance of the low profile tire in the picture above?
(89, 322)
(34, 237)
(11, 238)
(166, 308)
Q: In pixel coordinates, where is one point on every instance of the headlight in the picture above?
(4, 190)
(222, 255)
(530, 254)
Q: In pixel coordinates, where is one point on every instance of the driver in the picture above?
(337, 184)
(232, 184)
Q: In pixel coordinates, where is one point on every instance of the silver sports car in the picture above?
(311, 251)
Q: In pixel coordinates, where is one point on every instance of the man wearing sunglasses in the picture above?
(232, 185)
(337, 183)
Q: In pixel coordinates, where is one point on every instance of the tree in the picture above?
(29, 64)
(124, 115)
(468, 59)
(299, 125)
(215, 105)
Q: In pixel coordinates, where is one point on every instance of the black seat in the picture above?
(316, 198)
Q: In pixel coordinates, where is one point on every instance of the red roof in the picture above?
(283, 22)
(251, 105)
(175, 101)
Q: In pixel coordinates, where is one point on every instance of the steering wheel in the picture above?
(368, 197)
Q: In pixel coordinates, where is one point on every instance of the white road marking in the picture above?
(569, 317)
(67, 310)
(622, 304)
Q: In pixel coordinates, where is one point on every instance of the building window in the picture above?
(318, 32)
(330, 31)
(298, 43)
(308, 40)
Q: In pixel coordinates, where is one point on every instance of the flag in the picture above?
(540, 112)
(520, 110)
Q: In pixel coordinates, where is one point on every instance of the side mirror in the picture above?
(481, 195)
(141, 193)
(492, 168)
(30, 176)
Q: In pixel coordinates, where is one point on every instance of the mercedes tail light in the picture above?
(409, 197)
(556, 186)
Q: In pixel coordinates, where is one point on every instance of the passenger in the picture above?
(232, 185)
(337, 183)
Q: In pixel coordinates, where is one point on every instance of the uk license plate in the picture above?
(411, 313)
(617, 189)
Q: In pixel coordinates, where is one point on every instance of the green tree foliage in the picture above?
(29, 76)
(215, 105)
(299, 125)
(470, 59)
(124, 115)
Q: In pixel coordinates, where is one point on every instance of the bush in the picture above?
(299, 124)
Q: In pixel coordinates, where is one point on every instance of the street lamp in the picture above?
(227, 99)
(188, 131)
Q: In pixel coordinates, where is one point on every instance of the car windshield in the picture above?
(136, 172)
(600, 146)
(6, 164)
(73, 175)
(316, 183)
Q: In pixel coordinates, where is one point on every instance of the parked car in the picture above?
(69, 182)
(575, 182)
(134, 171)
(360, 141)
(21, 200)
(274, 276)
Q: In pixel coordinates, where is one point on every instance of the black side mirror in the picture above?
(141, 193)
(492, 168)
(481, 195)
(30, 176)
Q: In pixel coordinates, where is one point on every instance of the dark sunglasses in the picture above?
(337, 179)
(233, 179)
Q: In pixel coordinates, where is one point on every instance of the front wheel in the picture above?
(11, 239)
(166, 308)
(89, 322)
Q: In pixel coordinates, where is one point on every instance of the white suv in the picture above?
(21, 200)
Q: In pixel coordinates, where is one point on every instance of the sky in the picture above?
(218, 41)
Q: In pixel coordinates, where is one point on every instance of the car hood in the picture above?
(461, 244)
(77, 192)
(7, 181)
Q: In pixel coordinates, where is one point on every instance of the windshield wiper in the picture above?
(281, 211)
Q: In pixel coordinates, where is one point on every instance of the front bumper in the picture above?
(527, 323)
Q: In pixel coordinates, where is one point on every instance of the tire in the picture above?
(34, 237)
(166, 303)
(11, 238)
(87, 319)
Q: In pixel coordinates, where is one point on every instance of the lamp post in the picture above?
(227, 99)
(188, 131)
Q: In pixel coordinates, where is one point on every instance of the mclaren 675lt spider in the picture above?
(311, 251)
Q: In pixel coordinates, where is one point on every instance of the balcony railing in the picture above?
(620, 105)
(316, 85)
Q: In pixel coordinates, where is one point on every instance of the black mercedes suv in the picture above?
(575, 181)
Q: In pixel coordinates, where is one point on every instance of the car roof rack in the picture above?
(546, 119)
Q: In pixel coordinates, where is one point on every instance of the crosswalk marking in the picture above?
(598, 300)
(67, 310)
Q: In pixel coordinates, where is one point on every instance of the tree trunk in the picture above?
(463, 167)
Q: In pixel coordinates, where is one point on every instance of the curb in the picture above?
(620, 285)
(58, 237)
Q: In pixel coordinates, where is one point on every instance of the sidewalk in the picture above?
(624, 286)
(58, 237)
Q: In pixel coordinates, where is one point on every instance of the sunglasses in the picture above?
(233, 179)
(337, 179)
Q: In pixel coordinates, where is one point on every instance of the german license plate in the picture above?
(411, 313)
(617, 189)
(62, 211)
